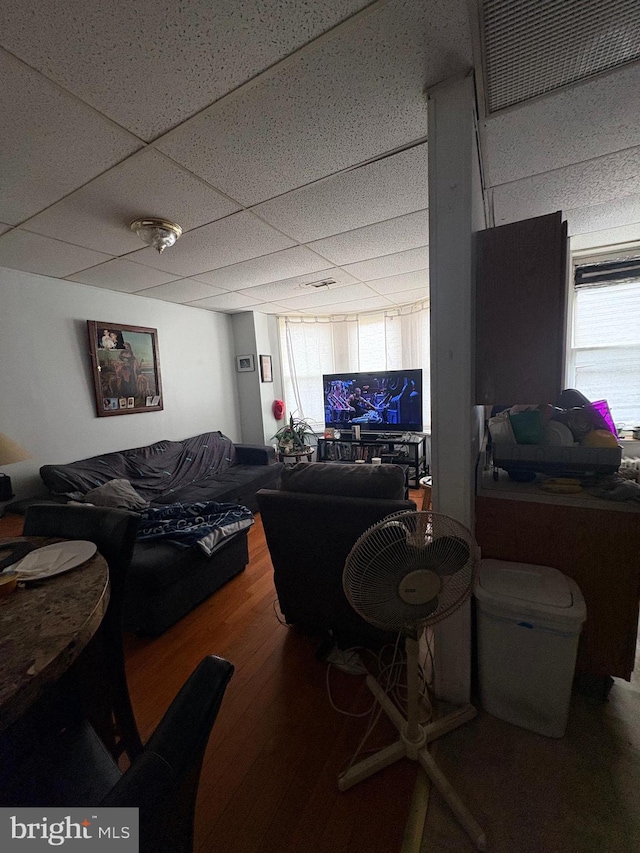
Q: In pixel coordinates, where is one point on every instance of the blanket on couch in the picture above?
(206, 524)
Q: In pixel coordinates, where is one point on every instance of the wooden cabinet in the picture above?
(521, 290)
(598, 548)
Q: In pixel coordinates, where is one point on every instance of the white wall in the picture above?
(46, 390)
(257, 334)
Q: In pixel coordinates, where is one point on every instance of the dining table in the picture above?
(44, 626)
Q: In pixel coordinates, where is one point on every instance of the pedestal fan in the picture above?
(406, 573)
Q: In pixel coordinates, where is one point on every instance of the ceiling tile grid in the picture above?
(182, 290)
(399, 284)
(301, 285)
(329, 296)
(383, 238)
(228, 241)
(597, 117)
(147, 184)
(599, 217)
(313, 116)
(226, 302)
(172, 59)
(120, 274)
(298, 260)
(605, 179)
(609, 237)
(52, 143)
(33, 253)
(293, 128)
(381, 190)
(388, 265)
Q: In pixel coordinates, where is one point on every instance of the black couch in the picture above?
(310, 524)
(166, 582)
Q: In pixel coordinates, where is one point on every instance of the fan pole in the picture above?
(412, 744)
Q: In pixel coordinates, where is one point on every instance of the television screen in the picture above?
(379, 401)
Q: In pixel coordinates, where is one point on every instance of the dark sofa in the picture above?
(166, 582)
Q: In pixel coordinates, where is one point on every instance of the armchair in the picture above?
(310, 524)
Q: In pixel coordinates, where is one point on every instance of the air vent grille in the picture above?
(535, 46)
(324, 283)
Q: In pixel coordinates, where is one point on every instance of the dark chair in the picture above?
(75, 769)
(97, 680)
(310, 526)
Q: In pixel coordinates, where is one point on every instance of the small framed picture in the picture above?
(245, 363)
(265, 368)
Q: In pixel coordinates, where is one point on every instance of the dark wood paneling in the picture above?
(520, 311)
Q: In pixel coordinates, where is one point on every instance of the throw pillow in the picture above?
(116, 493)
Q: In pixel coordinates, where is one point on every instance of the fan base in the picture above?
(413, 744)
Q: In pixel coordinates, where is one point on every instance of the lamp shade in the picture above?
(10, 451)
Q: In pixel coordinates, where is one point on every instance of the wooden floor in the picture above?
(269, 779)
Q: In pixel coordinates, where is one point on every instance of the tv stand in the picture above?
(408, 449)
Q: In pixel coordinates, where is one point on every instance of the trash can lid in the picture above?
(525, 583)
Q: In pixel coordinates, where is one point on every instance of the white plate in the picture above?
(51, 560)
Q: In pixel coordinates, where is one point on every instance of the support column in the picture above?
(455, 212)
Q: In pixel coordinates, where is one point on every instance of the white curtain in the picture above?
(312, 346)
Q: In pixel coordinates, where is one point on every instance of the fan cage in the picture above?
(402, 543)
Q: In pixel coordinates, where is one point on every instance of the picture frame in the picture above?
(125, 364)
(245, 363)
(266, 373)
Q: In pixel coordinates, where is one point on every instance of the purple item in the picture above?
(602, 407)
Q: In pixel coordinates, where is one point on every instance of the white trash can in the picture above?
(529, 621)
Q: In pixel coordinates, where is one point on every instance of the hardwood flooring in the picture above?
(269, 779)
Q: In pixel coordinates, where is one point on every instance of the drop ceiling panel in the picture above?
(183, 290)
(609, 237)
(147, 184)
(358, 306)
(21, 250)
(321, 298)
(388, 265)
(51, 142)
(290, 262)
(401, 283)
(409, 297)
(171, 59)
(599, 217)
(291, 287)
(228, 241)
(295, 286)
(121, 275)
(383, 238)
(227, 302)
(360, 94)
(594, 182)
(591, 119)
(381, 190)
(271, 308)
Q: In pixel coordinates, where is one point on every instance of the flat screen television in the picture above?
(379, 401)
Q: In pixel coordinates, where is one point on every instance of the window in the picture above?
(393, 340)
(604, 359)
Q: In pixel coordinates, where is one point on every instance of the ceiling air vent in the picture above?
(324, 283)
(535, 46)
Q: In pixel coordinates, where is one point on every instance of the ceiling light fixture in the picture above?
(159, 233)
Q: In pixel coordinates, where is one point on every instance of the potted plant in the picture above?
(294, 436)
